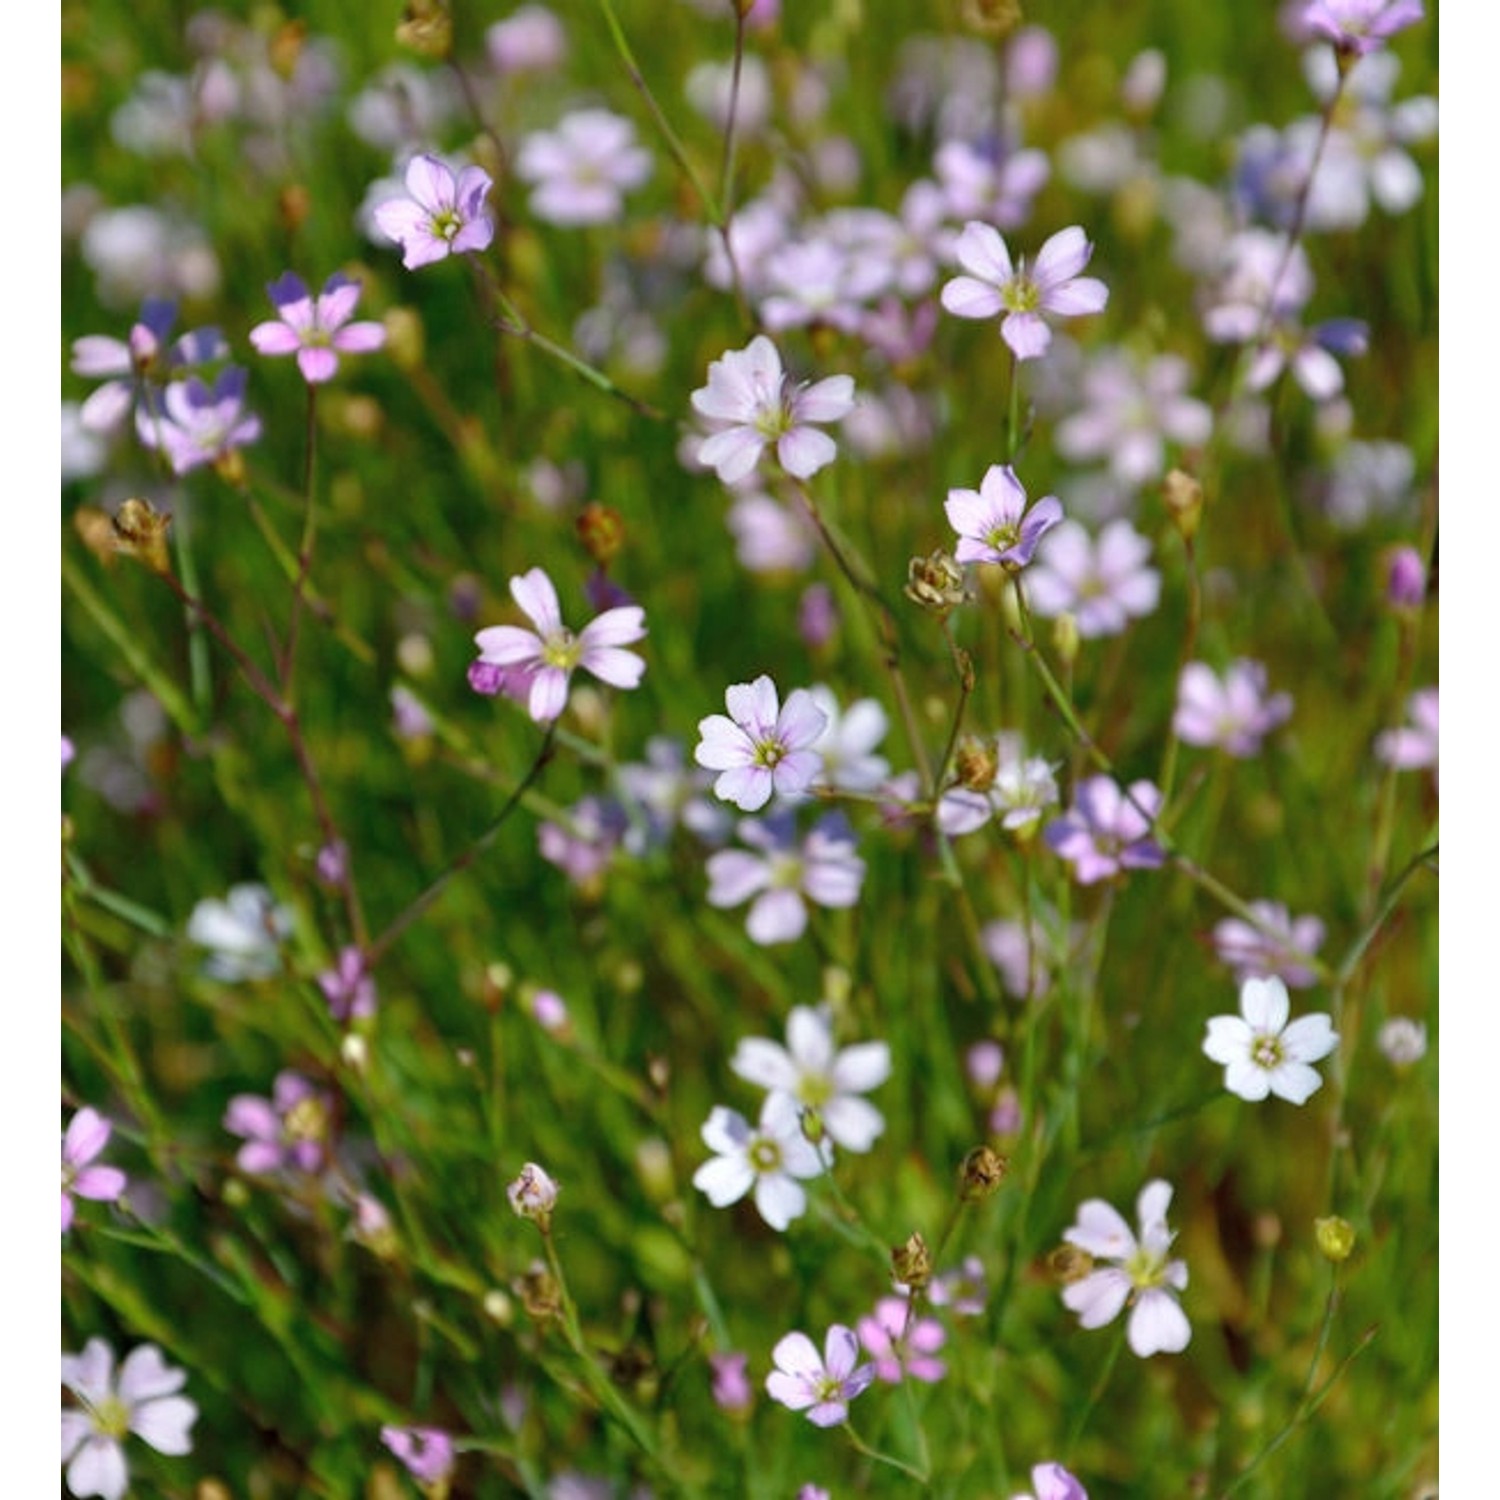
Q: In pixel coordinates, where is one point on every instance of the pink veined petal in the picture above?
(87, 1135)
(795, 1392)
(1002, 493)
(1158, 1325)
(275, 338)
(100, 1183)
(360, 338)
(805, 450)
(317, 365)
(76, 1427)
(421, 249)
(99, 1468)
(67, 1212)
(754, 704)
(981, 250)
(90, 1375)
(1062, 256)
(508, 645)
(809, 1040)
(402, 219)
(336, 303)
(801, 721)
(475, 235)
(864, 1066)
(95, 355)
(549, 692)
(840, 1351)
(430, 183)
(1026, 334)
(1317, 372)
(828, 1413)
(722, 744)
(829, 400)
(105, 409)
(961, 811)
(1265, 1004)
(534, 592)
(1076, 298)
(725, 1131)
(1098, 1297)
(1152, 1203)
(1296, 1082)
(733, 453)
(965, 297)
(967, 512)
(166, 1423)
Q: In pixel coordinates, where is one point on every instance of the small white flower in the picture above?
(1402, 1041)
(1264, 1055)
(1141, 1274)
(768, 1159)
(242, 933)
(809, 1071)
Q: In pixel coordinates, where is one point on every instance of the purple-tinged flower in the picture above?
(663, 791)
(899, 1350)
(991, 181)
(1402, 1041)
(1310, 354)
(427, 1452)
(772, 1159)
(581, 171)
(316, 329)
(288, 1131)
(409, 715)
(994, 285)
(533, 1195)
(584, 847)
(992, 522)
(552, 652)
(1103, 583)
(1414, 746)
(819, 282)
(761, 748)
(1233, 713)
(731, 1383)
(1405, 580)
(1280, 946)
(822, 1386)
(817, 616)
(965, 1289)
(1357, 27)
(847, 744)
(444, 214)
(349, 987)
(87, 1135)
(1050, 1481)
(1132, 409)
(1262, 1054)
(1141, 1275)
(1018, 790)
(771, 537)
(529, 40)
(754, 403)
(1026, 958)
(817, 1076)
(137, 369)
(143, 1400)
(1106, 830)
(201, 424)
(1260, 283)
(783, 876)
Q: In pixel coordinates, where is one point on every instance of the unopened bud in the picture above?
(1405, 580)
(975, 763)
(284, 51)
(498, 1307)
(538, 1292)
(812, 1124)
(983, 1171)
(936, 582)
(427, 28)
(1335, 1238)
(533, 1195)
(372, 1227)
(293, 204)
(911, 1263)
(355, 1051)
(140, 531)
(1183, 497)
(601, 529)
(1065, 638)
(1068, 1264)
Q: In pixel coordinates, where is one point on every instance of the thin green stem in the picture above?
(922, 1478)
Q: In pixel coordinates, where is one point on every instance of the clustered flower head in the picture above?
(142, 1399)
(1140, 1274)
(1023, 294)
(992, 522)
(821, 1385)
(316, 329)
(550, 653)
(752, 403)
(763, 747)
(1261, 1053)
(444, 214)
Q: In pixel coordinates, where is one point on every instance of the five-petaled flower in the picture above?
(769, 1159)
(1142, 1273)
(87, 1135)
(752, 402)
(1264, 1055)
(992, 522)
(822, 1386)
(551, 652)
(1023, 293)
(1107, 829)
(763, 746)
(316, 329)
(143, 1400)
(445, 214)
(1233, 713)
(1358, 27)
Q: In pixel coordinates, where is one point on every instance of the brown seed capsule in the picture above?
(975, 763)
(427, 28)
(1068, 1264)
(602, 532)
(911, 1263)
(140, 531)
(984, 1169)
(936, 582)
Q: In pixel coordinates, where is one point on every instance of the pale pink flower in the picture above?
(899, 1350)
(1415, 745)
(821, 1385)
(1051, 1481)
(87, 1135)
(1107, 830)
(993, 523)
(1103, 583)
(1233, 713)
(762, 747)
(1141, 1274)
(1053, 285)
(443, 214)
(552, 652)
(316, 329)
(754, 403)
(1360, 26)
(143, 1400)
(581, 171)
(1280, 945)
(427, 1452)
